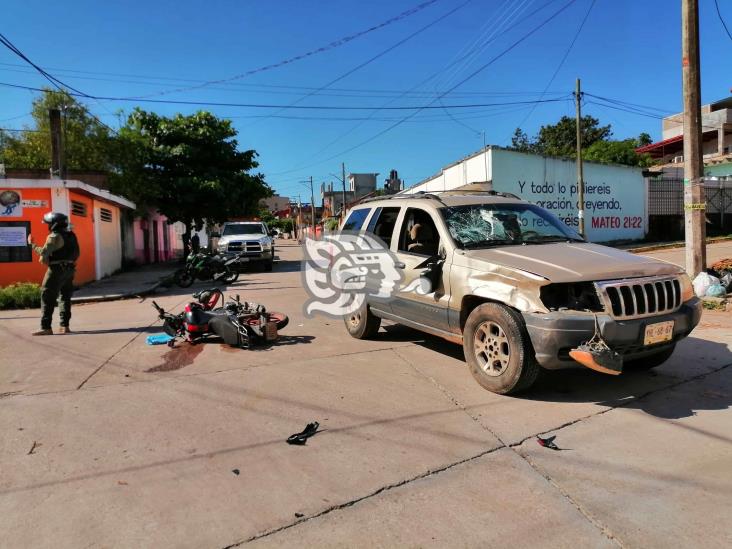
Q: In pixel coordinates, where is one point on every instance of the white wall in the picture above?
(107, 239)
(615, 196)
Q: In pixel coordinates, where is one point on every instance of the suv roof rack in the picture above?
(502, 194)
(418, 194)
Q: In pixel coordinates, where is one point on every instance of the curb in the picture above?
(673, 245)
(115, 297)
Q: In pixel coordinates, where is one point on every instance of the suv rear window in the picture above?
(355, 219)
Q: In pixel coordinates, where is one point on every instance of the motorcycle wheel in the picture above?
(230, 276)
(183, 278)
(280, 319)
(170, 328)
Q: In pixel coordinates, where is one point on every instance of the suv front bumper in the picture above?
(554, 334)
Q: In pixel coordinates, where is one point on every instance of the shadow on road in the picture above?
(582, 385)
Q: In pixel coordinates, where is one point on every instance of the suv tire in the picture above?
(651, 361)
(498, 349)
(362, 324)
(268, 265)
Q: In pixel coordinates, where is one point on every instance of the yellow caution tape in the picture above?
(700, 206)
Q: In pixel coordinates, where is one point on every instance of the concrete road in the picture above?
(108, 442)
(715, 252)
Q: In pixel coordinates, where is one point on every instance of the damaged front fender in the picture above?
(513, 287)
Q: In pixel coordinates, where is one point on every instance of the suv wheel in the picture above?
(498, 349)
(362, 324)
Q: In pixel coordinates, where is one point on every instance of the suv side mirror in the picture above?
(272, 233)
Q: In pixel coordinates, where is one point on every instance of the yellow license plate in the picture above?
(659, 332)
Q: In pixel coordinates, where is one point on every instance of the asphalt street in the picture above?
(109, 442)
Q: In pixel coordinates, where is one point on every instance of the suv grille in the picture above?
(249, 246)
(640, 297)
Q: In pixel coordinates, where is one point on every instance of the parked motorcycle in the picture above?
(202, 266)
(240, 324)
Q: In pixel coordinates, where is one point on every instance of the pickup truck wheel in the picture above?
(362, 324)
(651, 361)
(498, 349)
(268, 266)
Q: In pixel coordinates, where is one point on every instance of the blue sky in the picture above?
(627, 50)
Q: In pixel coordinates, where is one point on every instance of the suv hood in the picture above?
(572, 262)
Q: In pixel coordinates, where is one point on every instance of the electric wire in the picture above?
(332, 45)
(461, 82)
(378, 55)
(271, 106)
(454, 60)
(561, 62)
(721, 19)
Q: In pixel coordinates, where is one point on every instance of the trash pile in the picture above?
(715, 282)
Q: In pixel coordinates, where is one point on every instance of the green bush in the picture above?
(21, 295)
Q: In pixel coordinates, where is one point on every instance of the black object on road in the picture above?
(548, 442)
(301, 438)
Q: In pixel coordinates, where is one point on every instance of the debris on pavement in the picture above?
(299, 515)
(159, 339)
(548, 442)
(301, 438)
(33, 448)
(123, 483)
(235, 471)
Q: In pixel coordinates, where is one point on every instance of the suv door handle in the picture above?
(399, 265)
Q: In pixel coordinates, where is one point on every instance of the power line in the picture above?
(332, 45)
(721, 19)
(381, 53)
(20, 130)
(273, 106)
(461, 82)
(475, 46)
(561, 62)
(358, 92)
(52, 79)
(62, 86)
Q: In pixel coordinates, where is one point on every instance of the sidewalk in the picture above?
(131, 283)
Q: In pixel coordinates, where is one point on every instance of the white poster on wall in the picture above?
(10, 203)
(614, 195)
(13, 237)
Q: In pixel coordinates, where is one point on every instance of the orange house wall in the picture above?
(28, 271)
(33, 271)
(84, 229)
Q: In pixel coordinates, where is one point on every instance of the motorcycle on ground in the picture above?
(238, 323)
(219, 267)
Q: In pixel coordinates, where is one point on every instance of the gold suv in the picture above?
(519, 289)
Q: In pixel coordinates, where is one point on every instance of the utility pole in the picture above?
(485, 158)
(312, 207)
(580, 175)
(694, 205)
(343, 181)
(57, 146)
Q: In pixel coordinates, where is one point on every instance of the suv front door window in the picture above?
(419, 239)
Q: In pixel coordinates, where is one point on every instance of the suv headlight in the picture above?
(266, 243)
(687, 288)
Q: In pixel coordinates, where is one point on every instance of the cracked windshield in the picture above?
(485, 225)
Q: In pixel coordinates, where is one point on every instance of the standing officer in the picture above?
(60, 253)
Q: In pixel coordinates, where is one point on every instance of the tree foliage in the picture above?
(560, 139)
(188, 168)
(88, 144)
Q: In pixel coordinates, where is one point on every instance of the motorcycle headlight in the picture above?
(687, 288)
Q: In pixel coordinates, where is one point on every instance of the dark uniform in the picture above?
(60, 253)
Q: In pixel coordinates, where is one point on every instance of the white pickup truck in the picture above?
(251, 237)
